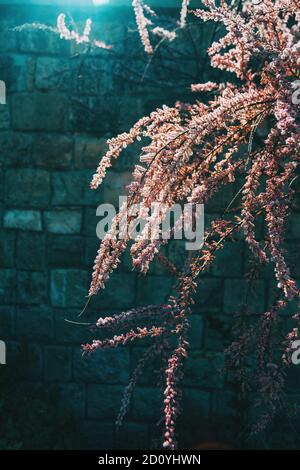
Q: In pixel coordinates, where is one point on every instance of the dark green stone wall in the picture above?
(62, 106)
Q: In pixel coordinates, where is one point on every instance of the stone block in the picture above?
(68, 188)
(43, 42)
(7, 316)
(118, 294)
(134, 436)
(68, 288)
(8, 40)
(52, 151)
(63, 221)
(293, 230)
(72, 399)
(88, 152)
(15, 72)
(26, 220)
(96, 435)
(58, 364)
(15, 149)
(65, 251)
(235, 295)
(196, 331)
(195, 404)
(229, 260)
(32, 287)
(39, 112)
(7, 250)
(4, 117)
(53, 74)
(68, 332)
(208, 295)
(7, 286)
(35, 323)
(224, 404)
(204, 370)
(147, 404)
(115, 186)
(30, 251)
(104, 401)
(153, 289)
(107, 366)
(27, 188)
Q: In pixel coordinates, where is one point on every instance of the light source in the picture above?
(100, 2)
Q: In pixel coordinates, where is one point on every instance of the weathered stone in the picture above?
(58, 364)
(108, 366)
(23, 220)
(115, 186)
(43, 41)
(26, 360)
(67, 329)
(72, 399)
(218, 331)
(32, 287)
(7, 321)
(224, 403)
(147, 403)
(119, 293)
(195, 404)
(68, 288)
(4, 117)
(14, 72)
(293, 231)
(235, 295)
(196, 331)
(15, 149)
(7, 286)
(90, 221)
(96, 435)
(53, 74)
(33, 187)
(52, 151)
(7, 250)
(91, 248)
(88, 152)
(31, 251)
(229, 260)
(8, 40)
(103, 115)
(134, 436)
(35, 323)
(68, 188)
(104, 401)
(65, 251)
(208, 296)
(63, 221)
(152, 370)
(39, 112)
(153, 289)
(204, 370)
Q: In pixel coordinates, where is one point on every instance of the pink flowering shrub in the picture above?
(190, 152)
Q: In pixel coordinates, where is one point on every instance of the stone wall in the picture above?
(62, 105)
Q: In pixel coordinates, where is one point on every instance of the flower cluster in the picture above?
(72, 35)
(190, 152)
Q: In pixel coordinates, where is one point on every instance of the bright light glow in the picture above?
(100, 2)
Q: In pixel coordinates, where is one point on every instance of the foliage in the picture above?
(190, 152)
